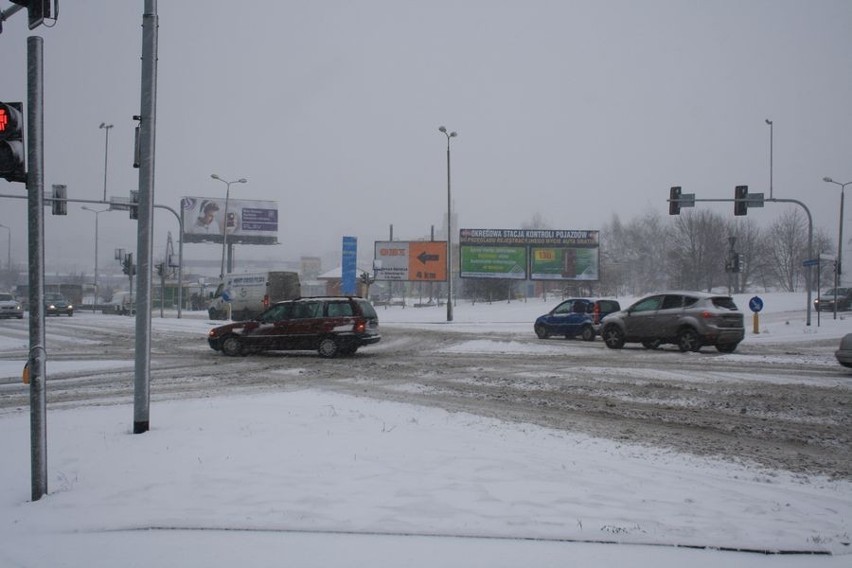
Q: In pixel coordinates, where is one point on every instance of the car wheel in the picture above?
(588, 333)
(328, 348)
(613, 337)
(232, 346)
(687, 340)
(541, 332)
(653, 344)
(726, 347)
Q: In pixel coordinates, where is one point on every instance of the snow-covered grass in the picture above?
(318, 479)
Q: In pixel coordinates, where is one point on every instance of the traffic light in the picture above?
(740, 197)
(127, 265)
(674, 200)
(13, 165)
(59, 205)
(38, 10)
(134, 204)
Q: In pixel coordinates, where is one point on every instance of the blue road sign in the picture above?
(810, 262)
(755, 304)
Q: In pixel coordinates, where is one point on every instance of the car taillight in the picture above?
(266, 301)
(360, 326)
(597, 312)
(707, 315)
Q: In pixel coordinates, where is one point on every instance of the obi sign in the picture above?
(413, 261)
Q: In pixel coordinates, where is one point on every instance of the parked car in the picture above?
(844, 353)
(690, 320)
(332, 325)
(825, 301)
(10, 307)
(56, 304)
(575, 317)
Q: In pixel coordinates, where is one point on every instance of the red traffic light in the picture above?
(12, 155)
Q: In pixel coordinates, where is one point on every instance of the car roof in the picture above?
(308, 298)
(700, 295)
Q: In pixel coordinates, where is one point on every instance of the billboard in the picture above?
(411, 261)
(535, 254)
(494, 262)
(248, 222)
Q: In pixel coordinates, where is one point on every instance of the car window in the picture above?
(367, 309)
(305, 310)
(671, 302)
(339, 309)
(724, 302)
(609, 306)
(278, 312)
(5, 297)
(580, 307)
(564, 308)
(647, 305)
(689, 301)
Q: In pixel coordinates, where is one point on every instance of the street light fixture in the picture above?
(97, 213)
(838, 265)
(9, 251)
(106, 128)
(449, 228)
(225, 220)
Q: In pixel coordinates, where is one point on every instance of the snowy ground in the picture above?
(317, 479)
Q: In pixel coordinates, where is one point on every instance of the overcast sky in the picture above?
(573, 110)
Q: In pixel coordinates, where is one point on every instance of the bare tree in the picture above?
(635, 254)
(751, 246)
(697, 250)
(787, 248)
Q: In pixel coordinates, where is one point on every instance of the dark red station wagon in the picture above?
(331, 325)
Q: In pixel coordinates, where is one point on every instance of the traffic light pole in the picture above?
(147, 124)
(35, 213)
(808, 276)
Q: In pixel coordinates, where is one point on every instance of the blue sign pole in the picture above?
(349, 266)
(755, 305)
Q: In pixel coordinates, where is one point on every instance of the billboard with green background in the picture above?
(493, 262)
(535, 254)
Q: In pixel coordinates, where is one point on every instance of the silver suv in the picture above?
(690, 320)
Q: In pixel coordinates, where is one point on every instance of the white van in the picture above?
(244, 296)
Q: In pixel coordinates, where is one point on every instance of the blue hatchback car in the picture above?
(575, 317)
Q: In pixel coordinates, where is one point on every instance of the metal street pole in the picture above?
(838, 266)
(106, 128)
(97, 213)
(771, 139)
(225, 219)
(449, 228)
(9, 250)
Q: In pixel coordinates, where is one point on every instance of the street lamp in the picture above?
(449, 229)
(97, 213)
(838, 265)
(106, 128)
(9, 251)
(771, 136)
(225, 220)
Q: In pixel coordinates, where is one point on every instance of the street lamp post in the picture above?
(838, 267)
(449, 229)
(771, 136)
(9, 248)
(97, 213)
(225, 219)
(106, 128)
